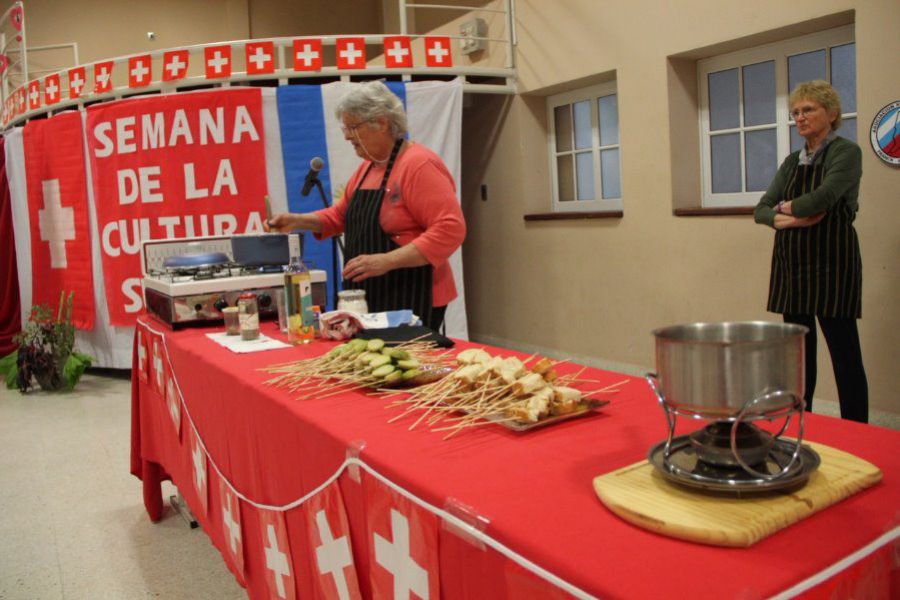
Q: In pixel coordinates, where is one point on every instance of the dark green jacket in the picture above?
(843, 170)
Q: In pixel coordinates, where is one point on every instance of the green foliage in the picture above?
(9, 369)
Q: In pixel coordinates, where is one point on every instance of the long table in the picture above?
(325, 498)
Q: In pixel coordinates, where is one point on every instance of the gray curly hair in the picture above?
(371, 100)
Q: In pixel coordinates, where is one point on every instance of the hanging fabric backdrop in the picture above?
(86, 188)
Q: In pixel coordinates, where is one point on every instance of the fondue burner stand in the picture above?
(731, 454)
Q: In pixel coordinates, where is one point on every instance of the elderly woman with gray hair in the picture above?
(399, 211)
(816, 264)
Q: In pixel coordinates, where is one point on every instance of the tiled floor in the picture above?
(72, 521)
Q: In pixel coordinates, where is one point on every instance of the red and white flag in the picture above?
(308, 55)
(139, 71)
(51, 89)
(77, 78)
(403, 544)
(34, 95)
(22, 94)
(260, 57)
(199, 475)
(328, 531)
(351, 53)
(58, 215)
(397, 52)
(276, 559)
(143, 354)
(157, 360)
(103, 77)
(175, 65)
(231, 526)
(218, 61)
(437, 52)
(173, 401)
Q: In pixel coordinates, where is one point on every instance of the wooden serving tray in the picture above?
(642, 496)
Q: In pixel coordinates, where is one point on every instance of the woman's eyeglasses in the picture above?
(352, 128)
(805, 112)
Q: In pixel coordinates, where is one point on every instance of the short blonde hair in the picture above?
(822, 93)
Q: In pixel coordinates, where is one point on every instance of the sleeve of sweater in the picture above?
(764, 212)
(843, 170)
(431, 200)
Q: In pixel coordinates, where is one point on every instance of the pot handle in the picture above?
(798, 401)
(653, 380)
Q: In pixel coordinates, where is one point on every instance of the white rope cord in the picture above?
(446, 516)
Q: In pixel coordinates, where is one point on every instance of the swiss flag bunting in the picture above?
(232, 533)
(157, 363)
(173, 402)
(51, 89)
(175, 65)
(308, 55)
(403, 544)
(140, 340)
(397, 52)
(437, 52)
(218, 61)
(328, 531)
(260, 57)
(276, 558)
(103, 77)
(139, 71)
(199, 475)
(77, 79)
(34, 95)
(351, 53)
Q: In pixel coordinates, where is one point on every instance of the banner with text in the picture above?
(172, 166)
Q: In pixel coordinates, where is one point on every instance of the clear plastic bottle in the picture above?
(298, 296)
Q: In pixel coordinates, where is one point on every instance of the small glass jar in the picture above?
(248, 314)
(353, 300)
(232, 320)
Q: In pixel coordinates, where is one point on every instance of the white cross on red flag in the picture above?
(308, 55)
(77, 78)
(34, 95)
(397, 52)
(173, 402)
(22, 102)
(218, 61)
(139, 71)
(437, 52)
(260, 57)
(199, 475)
(140, 349)
(103, 77)
(157, 364)
(51, 89)
(403, 545)
(276, 559)
(175, 65)
(350, 53)
(328, 532)
(232, 533)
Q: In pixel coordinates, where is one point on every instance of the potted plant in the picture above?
(46, 351)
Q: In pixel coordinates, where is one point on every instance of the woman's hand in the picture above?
(783, 221)
(284, 222)
(786, 208)
(365, 266)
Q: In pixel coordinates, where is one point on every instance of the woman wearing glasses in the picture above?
(399, 211)
(816, 265)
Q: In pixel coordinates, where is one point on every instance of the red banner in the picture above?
(58, 215)
(172, 166)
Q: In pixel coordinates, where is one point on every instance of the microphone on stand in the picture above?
(312, 176)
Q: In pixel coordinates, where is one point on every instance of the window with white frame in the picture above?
(584, 149)
(745, 127)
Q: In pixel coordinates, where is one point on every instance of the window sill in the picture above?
(570, 216)
(712, 212)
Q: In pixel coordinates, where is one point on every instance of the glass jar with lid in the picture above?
(248, 314)
(353, 300)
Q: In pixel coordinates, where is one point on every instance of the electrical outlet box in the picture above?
(470, 30)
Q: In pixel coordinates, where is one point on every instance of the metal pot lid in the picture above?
(195, 260)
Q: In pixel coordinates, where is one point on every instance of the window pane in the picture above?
(723, 100)
(563, 119)
(608, 108)
(583, 124)
(796, 141)
(584, 170)
(805, 67)
(565, 178)
(843, 75)
(759, 93)
(761, 152)
(848, 129)
(609, 165)
(725, 151)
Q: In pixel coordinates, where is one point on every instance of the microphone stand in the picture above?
(335, 242)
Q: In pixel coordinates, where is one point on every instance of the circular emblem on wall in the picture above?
(885, 134)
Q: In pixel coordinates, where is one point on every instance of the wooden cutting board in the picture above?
(642, 496)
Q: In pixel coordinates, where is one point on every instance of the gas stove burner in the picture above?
(684, 466)
(713, 444)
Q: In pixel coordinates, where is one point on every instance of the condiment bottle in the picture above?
(298, 296)
(353, 300)
(248, 314)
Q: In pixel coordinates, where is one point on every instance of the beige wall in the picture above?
(597, 288)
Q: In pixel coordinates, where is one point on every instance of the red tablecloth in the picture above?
(533, 490)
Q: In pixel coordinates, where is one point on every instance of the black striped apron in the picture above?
(816, 270)
(408, 288)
